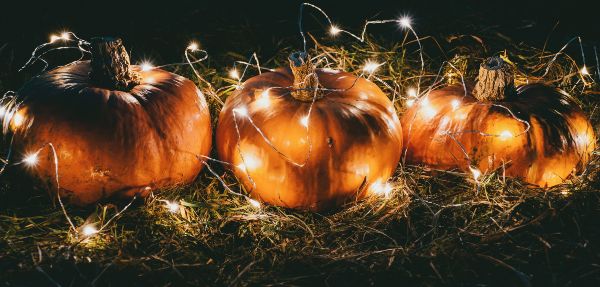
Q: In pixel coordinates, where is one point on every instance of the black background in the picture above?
(161, 30)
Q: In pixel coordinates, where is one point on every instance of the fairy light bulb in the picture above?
(304, 121)
(89, 230)
(504, 135)
(411, 92)
(584, 71)
(263, 100)
(31, 160)
(146, 66)
(242, 111)
(370, 67)
(255, 203)
(334, 30)
(193, 46)
(476, 173)
(18, 119)
(405, 22)
(410, 102)
(54, 38)
(381, 188)
(65, 35)
(455, 104)
(173, 207)
(234, 74)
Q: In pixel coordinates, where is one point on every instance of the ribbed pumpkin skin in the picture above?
(113, 143)
(355, 134)
(560, 141)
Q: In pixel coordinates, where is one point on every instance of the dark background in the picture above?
(161, 30)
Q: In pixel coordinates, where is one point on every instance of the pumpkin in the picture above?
(534, 132)
(290, 155)
(118, 131)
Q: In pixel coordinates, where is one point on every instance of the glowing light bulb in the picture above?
(242, 111)
(146, 66)
(405, 22)
(504, 135)
(31, 159)
(476, 173)
(370, 67)
(410, 102)
(54, 38)
(234, 74)
(584, 71)
(334, 30)
(263, 100)
(18, 119)
(65, 35)
(255, 203)
(193, 46)
(455, 104)
(172, 206)
(304, 121)
(411, 92)
(89, 230)
(382, 188)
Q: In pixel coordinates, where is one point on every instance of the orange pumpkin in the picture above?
(536, 132)
(118, 131)
(285, 156)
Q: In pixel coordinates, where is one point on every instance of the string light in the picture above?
(255, 203)
(31, 159)
(304, 121)
(146, 66)
(263, 100)
(334, 30)
(504, 135)
(382, 188)
(242, 111)
(411, 92)
(54, 38)
(476, 173)
(410, 102)
(455, 104)
(173, 207)
(193, 46)
(405, 22)
(18, 119)
(65, 36)
(584, 71)
(89, 230)
(370, 67)
(234, 74)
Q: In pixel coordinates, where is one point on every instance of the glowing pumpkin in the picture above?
(536, 132)
(118, 131)
(290, 155)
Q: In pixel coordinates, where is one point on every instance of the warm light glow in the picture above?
(18, 119)
(381, 188)
(193, 46)
(146, 66)
(405, 22)
(584, 71)
(427, 110)
(411, 92)
(455, 104)
(334, 30)
(31, 159)
(410, 102)
(476, 173)
(304, 121)
(242, 111)
(370, 67)
(255, 203)
(172, 206)
(263, 100)
(2, 111)
(583, 140)
(89, 230)
(149, 80)
(504, 135)
(65, 35)
(54, 38)
(250, 162)
(234, 74)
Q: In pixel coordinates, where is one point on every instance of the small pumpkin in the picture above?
(118, 131)
(536, 132)
(290, 155)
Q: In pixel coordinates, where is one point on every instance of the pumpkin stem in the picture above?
(306, 82)
(110, 66)
(495, 80)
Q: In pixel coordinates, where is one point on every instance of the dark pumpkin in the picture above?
(545, 139)
(118, 131)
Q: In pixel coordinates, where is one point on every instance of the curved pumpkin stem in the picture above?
(110, 65)
(495, 80)
(306, 82)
